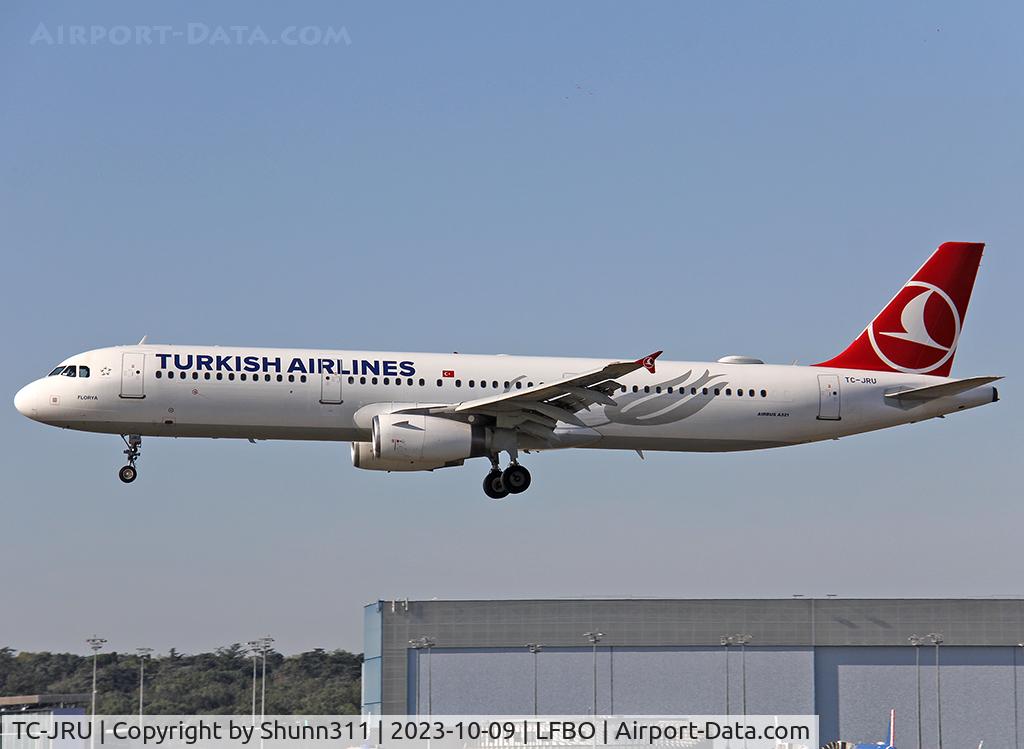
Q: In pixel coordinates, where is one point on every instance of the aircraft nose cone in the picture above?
(25, 402)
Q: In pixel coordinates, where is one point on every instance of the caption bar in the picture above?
(46, 731)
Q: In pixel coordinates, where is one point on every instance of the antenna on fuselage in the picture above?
(143, 341)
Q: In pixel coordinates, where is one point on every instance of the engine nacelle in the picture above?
(362, 457)
(425, 439)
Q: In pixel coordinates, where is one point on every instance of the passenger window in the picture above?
(242, 377)
(728, 391)
(181, 376)
(717, 391)
(422, 382)
(362, 380)
(351, 380)
(647, 388)
(409, 381)
(291, 378)
(705, 391)
(494, 384)
(750, 393)
(195, 375)
(387, 380)
(764, 393)
(206, 375)
(220, 376)
(70, 371)
(302, 378)
(231, 376)
(280, 378)
(693, 391)
(159, 374)
(519, 385)
(440, 383)
(266, 377)
(507, 385)
(83, 371)
(458, 383)
(636, 388)
(373, 380)
(657, 389)
(471, 383)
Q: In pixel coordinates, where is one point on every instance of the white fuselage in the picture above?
(204, 391)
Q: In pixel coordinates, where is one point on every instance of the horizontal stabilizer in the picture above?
(942, 390)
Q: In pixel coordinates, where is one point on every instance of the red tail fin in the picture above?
(918, 330)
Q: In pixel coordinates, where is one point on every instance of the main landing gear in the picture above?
(498, 484)
(133, 443)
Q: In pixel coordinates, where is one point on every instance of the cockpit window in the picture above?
(57, 371)
(83, 371)
(70, 371)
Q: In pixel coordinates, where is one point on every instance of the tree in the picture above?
(316, 682)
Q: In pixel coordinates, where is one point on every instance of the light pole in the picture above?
(743, 641)
(1016, 699)
(916, 641)
(593, 638)
(535, 648)
(420, 643)
(254, 648)
(265, 643)
(95, 643)
(936, 640)
(143, 654)
(726, 641)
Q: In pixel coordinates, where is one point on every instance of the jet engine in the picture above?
(362, 457)
(414, 442)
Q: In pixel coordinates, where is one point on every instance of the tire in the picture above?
(494, 487)
(127, 474)
(516, 479)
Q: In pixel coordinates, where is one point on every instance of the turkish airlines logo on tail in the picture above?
(918, 332)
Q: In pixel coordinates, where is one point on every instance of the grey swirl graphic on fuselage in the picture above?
(643, 409)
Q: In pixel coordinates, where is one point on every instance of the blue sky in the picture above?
(577, 178)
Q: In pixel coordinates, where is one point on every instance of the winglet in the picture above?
(648, 361)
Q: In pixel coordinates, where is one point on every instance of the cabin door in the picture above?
(330, 388)
(828, 397)
(133, 374)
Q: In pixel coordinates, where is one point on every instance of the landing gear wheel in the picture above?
(516, 479)
(494, 486)
(133, 448)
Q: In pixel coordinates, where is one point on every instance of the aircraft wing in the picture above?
(941, 390)
(538, 409)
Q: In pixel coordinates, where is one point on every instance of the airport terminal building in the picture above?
(848, 660)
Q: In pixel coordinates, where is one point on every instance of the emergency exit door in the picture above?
(133, 375)
(828, 397)
(330, 388)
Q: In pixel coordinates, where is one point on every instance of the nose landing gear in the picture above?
(133, 445)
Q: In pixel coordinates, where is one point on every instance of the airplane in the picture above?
(890, 743)
(422, 412)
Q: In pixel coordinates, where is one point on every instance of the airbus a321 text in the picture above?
(420, 412)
